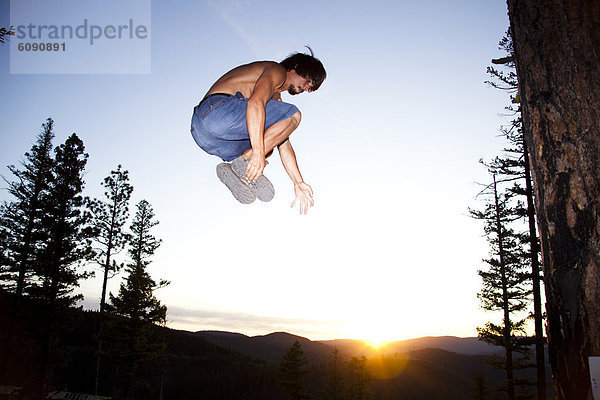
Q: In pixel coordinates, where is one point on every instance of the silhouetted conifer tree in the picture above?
(21, 219)
(505, 286)
(67, 247)
(481, 389)
(359, 378)
(293, 371)
(135, 306)
(67, 224)
(109, 216)
(334, 378)
(514, 167)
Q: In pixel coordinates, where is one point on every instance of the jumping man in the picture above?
(242, 119)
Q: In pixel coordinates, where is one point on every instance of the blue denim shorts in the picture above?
(219, 124)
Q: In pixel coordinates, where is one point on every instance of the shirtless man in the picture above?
(242, 119)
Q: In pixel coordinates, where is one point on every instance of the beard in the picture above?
(293, 91)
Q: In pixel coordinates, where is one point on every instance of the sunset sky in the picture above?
(390, 145)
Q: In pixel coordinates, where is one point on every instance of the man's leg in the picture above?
(278, 133)
(223, 132)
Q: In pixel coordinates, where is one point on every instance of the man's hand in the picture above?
(304, 197)
(255, 168)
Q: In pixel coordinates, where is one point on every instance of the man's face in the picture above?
(299, 85)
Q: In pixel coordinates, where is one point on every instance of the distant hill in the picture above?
(273, 346)
(269, 347)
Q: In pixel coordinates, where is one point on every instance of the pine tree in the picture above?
(136, 306)
(515, 167)
(505, 287)
(46, 235)
(293, 370)
(21, 219)
(109, 216)
(67, 225)
(481, 390)
(334, 378)
(359, 378)
(67, 247)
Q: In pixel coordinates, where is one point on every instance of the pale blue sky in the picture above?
(390, 145)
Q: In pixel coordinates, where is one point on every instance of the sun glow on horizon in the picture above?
(376, 329)
(376, 344)
(377, 337)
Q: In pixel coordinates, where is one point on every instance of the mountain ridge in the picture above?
(272, 346)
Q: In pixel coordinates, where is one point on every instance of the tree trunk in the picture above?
(101, 314)
(510, 381)
(540, 361)
(556, 45)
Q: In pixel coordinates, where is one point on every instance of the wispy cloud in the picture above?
(251, 324)
(232, 13)
(246, 323)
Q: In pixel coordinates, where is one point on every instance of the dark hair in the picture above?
(307, 67)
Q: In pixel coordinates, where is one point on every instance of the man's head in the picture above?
(307, 67)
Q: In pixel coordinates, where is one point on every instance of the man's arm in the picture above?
(303, 192)
(271, 78)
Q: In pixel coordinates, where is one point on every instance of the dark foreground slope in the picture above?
(191, 368)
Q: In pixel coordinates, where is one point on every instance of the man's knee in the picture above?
(296, 118)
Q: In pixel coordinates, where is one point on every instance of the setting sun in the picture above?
(376, 329)
(376, 344)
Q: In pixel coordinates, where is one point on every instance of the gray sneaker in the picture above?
(240, 189)
(262, 188)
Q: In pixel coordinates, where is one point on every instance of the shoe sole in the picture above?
(262, 188)
(240, 190)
